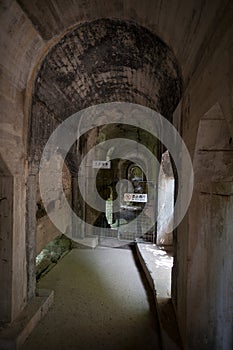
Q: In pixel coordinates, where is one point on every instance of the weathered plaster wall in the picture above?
(201, 252)
(45, 230)
(200, 34)
(19, 43)
(6, 206)
(210, 268)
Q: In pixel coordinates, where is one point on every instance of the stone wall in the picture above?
(203, 239)
(200, 36)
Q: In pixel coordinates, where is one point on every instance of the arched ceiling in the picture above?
(30, 28)
(104, 61)
(184, 25)
(99, 62)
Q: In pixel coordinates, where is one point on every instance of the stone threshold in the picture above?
(85, 242)
(158, 274)
(15, 334)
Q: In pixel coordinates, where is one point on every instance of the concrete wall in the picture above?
(210, 268)
(200, 35)
(19, 43)
(45, 229)
(6, 207)
(203, 238)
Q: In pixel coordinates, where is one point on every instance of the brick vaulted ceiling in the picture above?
(184, 25)
(103, 61)
(141, 52)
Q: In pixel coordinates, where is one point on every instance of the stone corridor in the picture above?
(101, 301)
(150, 84)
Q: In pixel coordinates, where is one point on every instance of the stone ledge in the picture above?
(14, 335)
(169, 332)
(86, 242)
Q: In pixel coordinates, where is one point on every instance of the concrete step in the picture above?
(14, 335)
(157, 265)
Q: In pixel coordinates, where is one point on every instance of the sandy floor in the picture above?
(101, 302)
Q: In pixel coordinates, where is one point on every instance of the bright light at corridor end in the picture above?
(68, 132)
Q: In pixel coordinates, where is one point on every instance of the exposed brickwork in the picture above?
(103, 61)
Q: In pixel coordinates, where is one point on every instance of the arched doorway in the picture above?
(112, 76)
